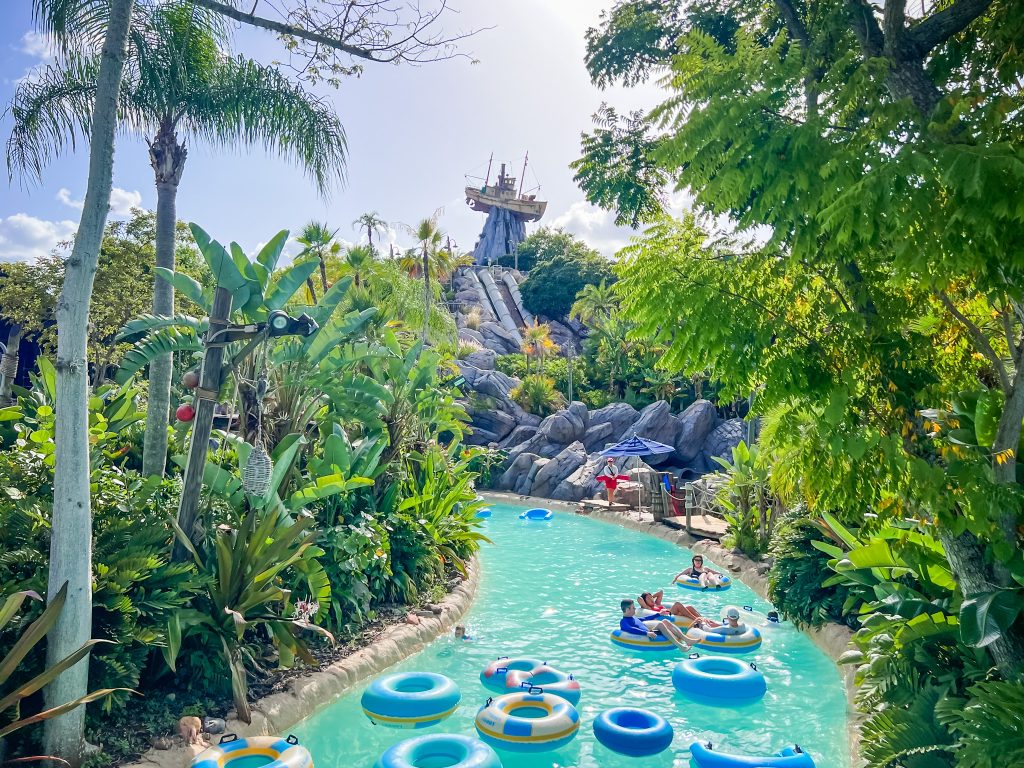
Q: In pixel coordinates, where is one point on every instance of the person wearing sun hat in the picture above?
(732, 625)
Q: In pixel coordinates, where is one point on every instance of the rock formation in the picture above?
(503, 232)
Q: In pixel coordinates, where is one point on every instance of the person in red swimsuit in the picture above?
(652, 603)
(609, 475)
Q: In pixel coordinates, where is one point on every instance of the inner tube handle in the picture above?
(499, 670)
(502, 657)
(709, 746)
(534, 689)
(292, 739)
(227, 738)
(571, 677)
(489, 700)
(749, 608)
(753, 666)
(694, 656)
(797, 749)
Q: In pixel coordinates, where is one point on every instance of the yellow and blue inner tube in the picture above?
(688, 582)
(633, 642)
(441, 749)
(709, 640)
(545, 679)
(719, 681)
(255, 752)
(527, 722)
(632, 731)
(410, 699)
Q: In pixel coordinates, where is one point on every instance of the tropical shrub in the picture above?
(536, 394)
(555, 368)
(543, 245)
(750, 508)
(797, 572)
(551, 287)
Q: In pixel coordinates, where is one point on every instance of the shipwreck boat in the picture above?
(505, 195)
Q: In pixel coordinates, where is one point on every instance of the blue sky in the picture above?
(413, 133)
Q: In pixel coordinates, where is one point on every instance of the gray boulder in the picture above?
(520, 434)
(502, 341)
(581, 484)
(695, 424)
(620, 416)
(722, 440)
(480, 436)
(482, 359)
(560, 467)
(580, 410)
(657, 423)
(517, 470)
(469, 333)
(524, 484)
(597, 437)
(563, 427)
(496, 422)
(494, 384)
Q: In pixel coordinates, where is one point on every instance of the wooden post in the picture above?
(688, 504)
(205, 402)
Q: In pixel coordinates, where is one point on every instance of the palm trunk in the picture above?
(9, 364)
(167, 157)
(71, 536)
(323, 275)
(426, 295)
(312, 290)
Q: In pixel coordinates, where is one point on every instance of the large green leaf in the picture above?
(184, 285)
(164, 341)
(987, 415)
(926, 625)
(271, 252)
(287, 283)
(985, 617)
(137, 329)
(225, 272)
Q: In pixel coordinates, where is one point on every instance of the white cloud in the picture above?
(37, 46)
(26, 238)
(121, 201)
(595, 227)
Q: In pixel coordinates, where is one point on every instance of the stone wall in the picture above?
(277, 713)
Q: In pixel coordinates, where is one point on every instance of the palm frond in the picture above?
(259, 106)
(51, 108)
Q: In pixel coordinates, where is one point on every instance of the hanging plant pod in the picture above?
(257, 470)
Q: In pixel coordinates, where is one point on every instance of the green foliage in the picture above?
(244, 592)
(988, 724)
(543, 245)
(552, 285)
(28, 639)
(555, 368)
(635, 36)
(751, 510)
(536, 394)
(798, 570)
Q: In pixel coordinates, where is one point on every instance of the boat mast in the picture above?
(522, 176)
(488, 179)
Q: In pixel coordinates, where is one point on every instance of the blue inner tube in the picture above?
(439, 749)
(538, 513)
(642, 643)
(485, 512)
(410, 699)
(717, 680)
(785, 758)
(634, 732)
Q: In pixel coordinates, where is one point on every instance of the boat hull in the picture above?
(524, 208)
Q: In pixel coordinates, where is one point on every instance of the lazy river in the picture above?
(551, 590)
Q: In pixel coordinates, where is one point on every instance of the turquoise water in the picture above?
(551, 590)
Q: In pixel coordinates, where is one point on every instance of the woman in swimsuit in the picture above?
(705, 576)
(653, 604)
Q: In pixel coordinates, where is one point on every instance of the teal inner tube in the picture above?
(410, 699)
(538, 513)
(790, 757)
(717, 680)
(439, 750)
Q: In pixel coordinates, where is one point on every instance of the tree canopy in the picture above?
(562, 266)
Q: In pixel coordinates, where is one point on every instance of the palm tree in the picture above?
(430, 237)
(595, 304)
(358, 260)
(317, 240)
(371, 222)
(537, 343)
(178, 82)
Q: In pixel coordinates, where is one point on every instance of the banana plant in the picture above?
(10, 700)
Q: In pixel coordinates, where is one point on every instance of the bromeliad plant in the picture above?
(244, 577)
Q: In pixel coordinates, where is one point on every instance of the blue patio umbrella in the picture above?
(637, 446)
